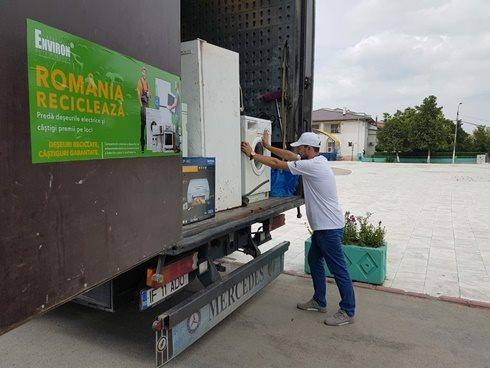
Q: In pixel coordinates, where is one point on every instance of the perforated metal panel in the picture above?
(259, 30)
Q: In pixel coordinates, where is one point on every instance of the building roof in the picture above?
(340, 115)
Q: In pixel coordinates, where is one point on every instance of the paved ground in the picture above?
(437, 219)
(268, 331)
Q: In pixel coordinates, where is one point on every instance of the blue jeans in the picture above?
(326, 244)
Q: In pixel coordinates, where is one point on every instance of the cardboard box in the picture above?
(198, 188)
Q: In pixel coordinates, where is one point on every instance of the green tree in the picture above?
(395, 134)
(463, 141)
(429, 131)
(480, 139)
(488, 140)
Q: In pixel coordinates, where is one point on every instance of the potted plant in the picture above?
(364, 249)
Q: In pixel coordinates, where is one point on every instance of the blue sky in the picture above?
(378, 56)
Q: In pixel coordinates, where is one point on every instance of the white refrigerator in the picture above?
(211, 89)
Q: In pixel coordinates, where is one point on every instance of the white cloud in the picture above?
(427, 16)
(391, 54)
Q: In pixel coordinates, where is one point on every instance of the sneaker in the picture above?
(339, 319)
(312, 305)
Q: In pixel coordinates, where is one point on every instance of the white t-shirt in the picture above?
(322, 204)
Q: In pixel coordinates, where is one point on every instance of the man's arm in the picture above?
(272, 162)
(138, 90)
(284, 154)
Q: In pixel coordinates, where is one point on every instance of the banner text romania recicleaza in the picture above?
(86, 95)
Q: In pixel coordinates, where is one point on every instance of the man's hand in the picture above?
(267, 161)
(266, 139)
(284, 154)
(246, 149)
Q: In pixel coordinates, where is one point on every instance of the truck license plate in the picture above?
(150, 297)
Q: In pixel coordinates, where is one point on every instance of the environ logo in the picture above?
(51, 46)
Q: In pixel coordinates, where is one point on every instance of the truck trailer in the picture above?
(103, 232)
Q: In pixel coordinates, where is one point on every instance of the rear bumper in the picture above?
(182, 325)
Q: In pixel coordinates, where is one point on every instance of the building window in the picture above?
(330, 146)
(335, 128)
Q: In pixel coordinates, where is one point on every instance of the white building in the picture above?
(349, 133)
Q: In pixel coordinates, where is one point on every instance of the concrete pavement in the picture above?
(437, 219)
(390, 331)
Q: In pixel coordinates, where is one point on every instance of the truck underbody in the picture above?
(186, 321)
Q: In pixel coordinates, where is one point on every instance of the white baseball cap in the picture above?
(308, 139)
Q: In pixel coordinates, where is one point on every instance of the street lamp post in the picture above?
(456, 133)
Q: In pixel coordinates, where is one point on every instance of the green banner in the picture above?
(88, 102)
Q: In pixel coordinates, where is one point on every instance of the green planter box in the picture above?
(364, 264)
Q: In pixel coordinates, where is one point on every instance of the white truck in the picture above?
(119, 237)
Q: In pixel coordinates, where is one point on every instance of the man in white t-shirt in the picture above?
(325, 218)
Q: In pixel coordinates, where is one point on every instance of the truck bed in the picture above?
(227, 221)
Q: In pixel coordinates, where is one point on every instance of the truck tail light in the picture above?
(157, 326)
(171, 271)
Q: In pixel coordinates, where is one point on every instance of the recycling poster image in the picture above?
(87, 102)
